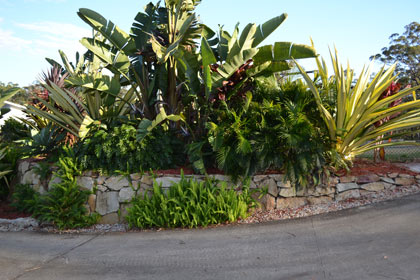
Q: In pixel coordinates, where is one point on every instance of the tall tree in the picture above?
(404, 49)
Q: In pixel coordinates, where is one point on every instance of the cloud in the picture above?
(55, 28)
(49, 37)
(42, 39)
(11, 42)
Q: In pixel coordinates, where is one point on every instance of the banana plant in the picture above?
(358, 107)
(235, 58)
(180, 34)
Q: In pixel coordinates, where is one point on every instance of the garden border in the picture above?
(112, 194)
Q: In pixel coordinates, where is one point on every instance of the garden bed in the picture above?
(365, 183)
(9, 212)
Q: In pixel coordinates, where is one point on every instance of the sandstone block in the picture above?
(287, 192)
(116, 183)
(86, 183)
(259, 178)
(387, 180)
(271, 185)
(369, 178)
(31, 178)
(404, 181)
(126, 194)
(107, 202)
(111, 218)
(347, 179)
(147, 180)
(373, 187)
(319, 200)
(167, 181)
(342, 187)
(322, 190)
(292, 202)
(23, 167)
(136, 176)
(393, 175)
(282, 184)
(277, 177)
(267, 202)
(101, 180)
(347, 194)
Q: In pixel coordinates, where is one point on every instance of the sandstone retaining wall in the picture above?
(114, 193)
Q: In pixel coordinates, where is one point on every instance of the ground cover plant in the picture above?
(190, 203)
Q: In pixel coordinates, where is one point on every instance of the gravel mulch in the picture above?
(310, 210)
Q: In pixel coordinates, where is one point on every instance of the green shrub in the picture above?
(276, 133)
(117, 149)
(9, 154)
(24, 198)
(189, 204)
(64, 206)
(47, 141)
(13, 130)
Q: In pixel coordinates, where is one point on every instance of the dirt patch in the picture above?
(360, 167)
(364, 167)
(9, 212)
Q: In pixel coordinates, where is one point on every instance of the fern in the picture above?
(116, 149)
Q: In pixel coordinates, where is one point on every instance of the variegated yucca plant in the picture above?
(358, 107)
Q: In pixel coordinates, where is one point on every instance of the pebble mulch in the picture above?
(310, 210)
(259, 216)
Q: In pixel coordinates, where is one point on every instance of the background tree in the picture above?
(404, 49)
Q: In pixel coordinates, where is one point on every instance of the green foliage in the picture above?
(46, 141)
(351, 124)
(5, 169)
(276, 133)
(24, 198)
(404, 51)
(189, 203)
(117, 149)
(13, 130)
(9, 155)
(64, 206)
(43, 169)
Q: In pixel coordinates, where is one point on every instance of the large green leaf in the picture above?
(264, 30)
(109, 30)
(146, 126)
(117, 62)
(96, 81)
(208, 59)
(282, 51)
(231, 66)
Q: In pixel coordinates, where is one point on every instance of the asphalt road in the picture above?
(381, 241)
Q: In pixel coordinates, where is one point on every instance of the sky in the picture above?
(31, 30)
